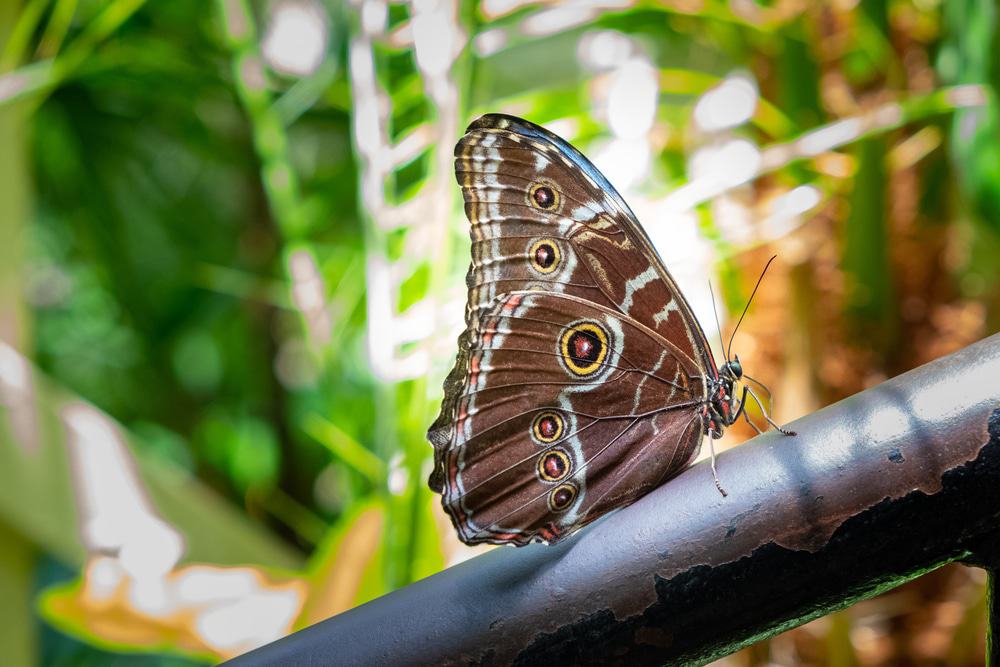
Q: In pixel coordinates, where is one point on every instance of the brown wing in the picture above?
(570, 410)
(499, 163)
(586, 242)
(544, 219)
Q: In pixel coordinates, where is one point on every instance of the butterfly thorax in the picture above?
(723, 407)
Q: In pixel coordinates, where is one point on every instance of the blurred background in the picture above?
(232, 259)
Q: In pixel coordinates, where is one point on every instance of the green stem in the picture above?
(19, 37)
(40, 78)
(17, 627)
(16, 195)
(55, 31)
(269, 137)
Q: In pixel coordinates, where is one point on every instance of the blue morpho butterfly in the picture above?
(583, 379)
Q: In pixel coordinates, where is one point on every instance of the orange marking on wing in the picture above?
(473, 371)
(512, 303)
(548, 532)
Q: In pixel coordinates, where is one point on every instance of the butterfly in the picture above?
(583, 379)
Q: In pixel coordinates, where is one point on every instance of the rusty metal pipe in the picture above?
(875, 490)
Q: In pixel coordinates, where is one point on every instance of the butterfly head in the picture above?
(730, 375)
(732, 369)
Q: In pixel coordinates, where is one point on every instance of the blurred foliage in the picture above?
(183, 189)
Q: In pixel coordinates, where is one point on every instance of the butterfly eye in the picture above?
(543, 196)
(544, 255)
(583, 348)
(547, 427)
(553, 465)
(561, 497)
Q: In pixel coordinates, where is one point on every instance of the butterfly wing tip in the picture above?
(499, 121)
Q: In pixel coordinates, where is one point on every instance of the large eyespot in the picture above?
(553, 465)
(583, 347)
(561, 497)
(543, 196)
(544, 255)
(547, 427)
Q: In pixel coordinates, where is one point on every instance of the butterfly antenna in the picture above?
(722, 341)
(747, 307)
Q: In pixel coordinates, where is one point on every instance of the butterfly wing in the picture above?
(571, 409)
(499, 162)
(545, 219)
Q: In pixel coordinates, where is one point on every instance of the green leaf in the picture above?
(969, 55)
(345, 448)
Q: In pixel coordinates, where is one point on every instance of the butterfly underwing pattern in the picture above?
(583, 379)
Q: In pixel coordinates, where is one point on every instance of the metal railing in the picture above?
(874, 491)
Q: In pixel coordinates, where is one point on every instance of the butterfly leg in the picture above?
(743, 405)
(747, 419)
(712, 435)
(743, 412)
(770, 421)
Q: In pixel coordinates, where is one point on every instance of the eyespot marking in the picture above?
(544, 256)
(547, 427)
(543, 196)
(583, 348)
(553, 465)
(561, 497)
